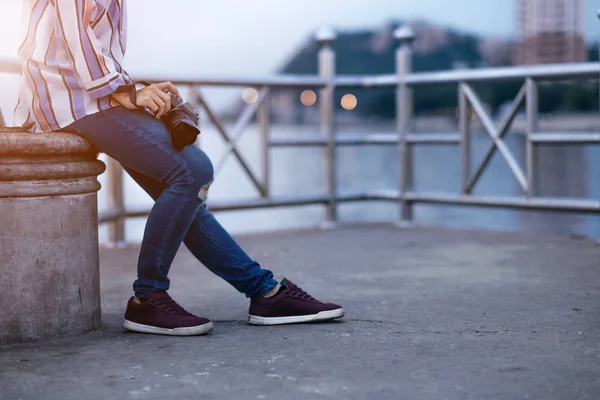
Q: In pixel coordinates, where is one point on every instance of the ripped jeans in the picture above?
(178, 182)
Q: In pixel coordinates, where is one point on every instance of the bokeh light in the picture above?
(250, 95)
(349, 102)
(308, 98)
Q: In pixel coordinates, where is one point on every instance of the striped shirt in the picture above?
(71, 60)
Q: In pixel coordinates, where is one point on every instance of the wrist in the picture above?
(125, 99)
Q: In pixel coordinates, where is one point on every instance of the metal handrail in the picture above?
(405, 81)
(588, 70)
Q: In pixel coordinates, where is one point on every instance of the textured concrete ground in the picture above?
(431, 314)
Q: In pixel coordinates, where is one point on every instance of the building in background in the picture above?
(551, 31)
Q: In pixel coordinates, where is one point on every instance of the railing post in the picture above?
(114, 172)
(598, 15)
(464, 126)
(404, 113)
(531, 153)
(264, 123)
(327, 105)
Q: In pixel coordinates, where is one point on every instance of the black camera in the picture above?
(182, 122)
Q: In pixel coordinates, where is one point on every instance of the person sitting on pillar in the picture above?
(74, 80)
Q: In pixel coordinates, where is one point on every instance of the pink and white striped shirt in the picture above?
(71, 60)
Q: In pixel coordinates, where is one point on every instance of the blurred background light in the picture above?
(250, 95)
(349, 102)
(308, 98)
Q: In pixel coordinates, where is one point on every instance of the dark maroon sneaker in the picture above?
(291, 305)
(160, 314)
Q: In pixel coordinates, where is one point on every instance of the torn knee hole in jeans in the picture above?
(203, 194)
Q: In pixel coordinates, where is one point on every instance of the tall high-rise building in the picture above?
(551, 31)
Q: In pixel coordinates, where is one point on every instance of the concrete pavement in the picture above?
(431, 314)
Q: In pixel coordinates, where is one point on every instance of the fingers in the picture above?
(152, 105)
(167, 103)
(160, 103)
(170, 87)
(155, 99)
(145, 98)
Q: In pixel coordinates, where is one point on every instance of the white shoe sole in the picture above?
(186, 331)
(322, 316)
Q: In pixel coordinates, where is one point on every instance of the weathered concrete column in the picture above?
(49, 277)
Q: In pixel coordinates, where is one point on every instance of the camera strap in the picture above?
(132, 90)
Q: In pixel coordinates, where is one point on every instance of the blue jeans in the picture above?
(178, 182)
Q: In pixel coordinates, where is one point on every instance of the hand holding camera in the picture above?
(164, 101)
(156, 98)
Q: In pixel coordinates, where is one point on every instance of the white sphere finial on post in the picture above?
(325, 36)
(404, 34)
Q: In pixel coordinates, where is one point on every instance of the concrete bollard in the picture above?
(49, 267)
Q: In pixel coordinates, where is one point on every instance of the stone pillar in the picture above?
(49, 267)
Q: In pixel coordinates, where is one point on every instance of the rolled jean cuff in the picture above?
(266, 287)
(140, 290)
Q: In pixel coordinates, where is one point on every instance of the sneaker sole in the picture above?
(322, 316)
(185, 331)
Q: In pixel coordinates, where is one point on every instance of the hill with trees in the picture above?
(371, 52)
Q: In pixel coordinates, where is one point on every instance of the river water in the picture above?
(565, 171)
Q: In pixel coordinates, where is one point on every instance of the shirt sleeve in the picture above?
(97, 71)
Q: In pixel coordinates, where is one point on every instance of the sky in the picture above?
(241, 37)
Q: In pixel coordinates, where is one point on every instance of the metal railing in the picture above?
(405, 81)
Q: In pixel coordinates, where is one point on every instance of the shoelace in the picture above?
(170, 305)
(298, 293)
